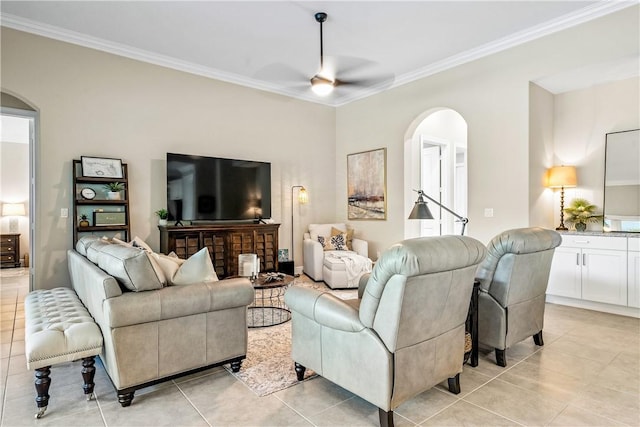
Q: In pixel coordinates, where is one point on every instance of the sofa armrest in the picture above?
(313, 255)
(361, 247)
(324, 308)
(362, 284)
(230, 293)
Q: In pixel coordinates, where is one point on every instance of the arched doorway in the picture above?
(436, 162)
(17, 150)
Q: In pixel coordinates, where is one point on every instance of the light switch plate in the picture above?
(64, 213)
(488, 212)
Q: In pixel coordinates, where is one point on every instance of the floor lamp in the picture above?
(303, 198)
(421, 210)
(561, 177)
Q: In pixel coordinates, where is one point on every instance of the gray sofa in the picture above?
(155, 333)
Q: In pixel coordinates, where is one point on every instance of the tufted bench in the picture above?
(58, 328)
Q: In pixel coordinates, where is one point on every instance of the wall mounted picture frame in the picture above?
(367, 185)
(101, 167)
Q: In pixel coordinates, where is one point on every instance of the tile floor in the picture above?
(588, 373)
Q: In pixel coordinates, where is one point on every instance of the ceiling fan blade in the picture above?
(380, 81)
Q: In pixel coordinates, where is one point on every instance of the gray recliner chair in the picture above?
(513, 281)
(406, 331)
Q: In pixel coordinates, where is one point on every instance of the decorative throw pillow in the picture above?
(197, 269)
(139, 243)
(130, 266)
(349, 241)
(334, 243)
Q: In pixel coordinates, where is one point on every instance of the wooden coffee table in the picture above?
(268, 308)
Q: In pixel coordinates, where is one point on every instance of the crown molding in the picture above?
(584, 15)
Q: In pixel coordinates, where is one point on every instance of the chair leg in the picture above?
(454, 384)
(386, 418)
(501, 358)
(537, 338)
(299, 371)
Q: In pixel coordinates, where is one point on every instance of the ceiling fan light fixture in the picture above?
(321, 86)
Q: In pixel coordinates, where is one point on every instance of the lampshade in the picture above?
(13, 209)
(303, 197)
(562, 176)
(321, 86)
(420, 209)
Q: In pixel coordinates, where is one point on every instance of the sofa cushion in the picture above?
(139, 243)
(83, 243)
(324, 230)
(95, 249)
(130, 266)
(197, 269)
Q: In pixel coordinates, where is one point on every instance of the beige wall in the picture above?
(492, 94)
(582, 120)
(93, 103)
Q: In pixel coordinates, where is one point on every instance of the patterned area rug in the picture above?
(268, 367)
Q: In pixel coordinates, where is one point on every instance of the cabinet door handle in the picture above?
(578, 258)
(584, 259)
(580, 241)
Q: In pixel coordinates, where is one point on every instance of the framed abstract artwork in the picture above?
(367, 185)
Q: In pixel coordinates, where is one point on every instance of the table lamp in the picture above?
(561, 177)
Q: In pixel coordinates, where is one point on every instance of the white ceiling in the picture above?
(274, 45)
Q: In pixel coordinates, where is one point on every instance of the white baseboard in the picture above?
(596, 306)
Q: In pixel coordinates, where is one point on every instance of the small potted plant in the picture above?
(113, 190)
(163, 214)
(84, 222)
(580, 212)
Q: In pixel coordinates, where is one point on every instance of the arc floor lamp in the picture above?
(421, 210)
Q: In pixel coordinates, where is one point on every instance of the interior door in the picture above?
(431, 172)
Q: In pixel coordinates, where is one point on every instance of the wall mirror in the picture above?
(622, 181)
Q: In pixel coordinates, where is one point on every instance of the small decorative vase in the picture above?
(581, 226)
(113, 195)
(162, 222)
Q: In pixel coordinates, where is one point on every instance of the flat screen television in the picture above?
(216, 189)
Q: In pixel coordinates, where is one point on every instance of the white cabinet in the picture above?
(633, 277)
(565, 278)
(591, 268)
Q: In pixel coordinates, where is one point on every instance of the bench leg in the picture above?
(88, 373)
(42, 389)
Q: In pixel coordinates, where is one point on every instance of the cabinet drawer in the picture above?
(7, 258)
(6, 240)
(634, 244)
(599, 242)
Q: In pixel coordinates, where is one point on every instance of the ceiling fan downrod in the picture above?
(320, 18)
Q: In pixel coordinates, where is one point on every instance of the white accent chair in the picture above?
(320, 265)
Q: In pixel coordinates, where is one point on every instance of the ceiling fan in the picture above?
(323, 82)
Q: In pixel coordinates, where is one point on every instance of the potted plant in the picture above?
(163, 214)
(580, 212)
(84, 222)
(113, 190)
